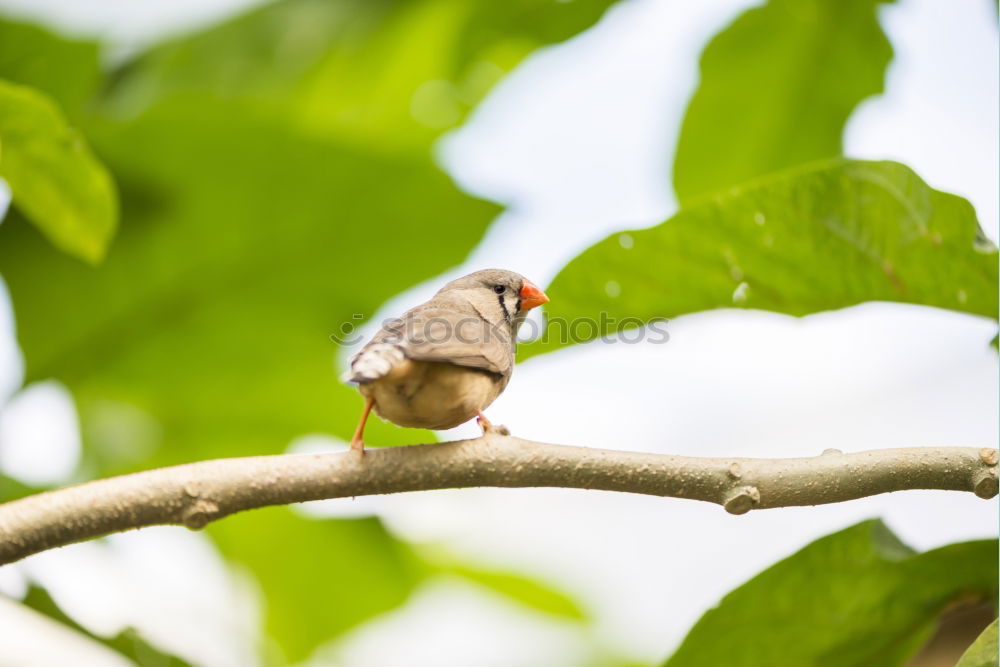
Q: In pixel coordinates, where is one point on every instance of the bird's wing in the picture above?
(463, 339)
(437, 335)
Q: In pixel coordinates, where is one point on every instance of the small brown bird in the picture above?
(444, 361)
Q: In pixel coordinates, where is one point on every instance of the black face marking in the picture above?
(503, 306)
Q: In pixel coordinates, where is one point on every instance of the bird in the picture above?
(443, 362)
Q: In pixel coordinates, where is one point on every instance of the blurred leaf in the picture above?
(524, 590)
(244, 247)
(776, 89)
(53, 177)
(128, 642)
(856, 598)
(320, 577)
(983, 652)
(824, 237)
(392, 74)
(65, 70)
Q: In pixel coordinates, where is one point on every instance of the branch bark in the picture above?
(192, 495)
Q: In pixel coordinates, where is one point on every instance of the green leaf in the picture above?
(53, 177)
(777, 87)
(65, 70)
(529, 592)
(856, 598)
(128, 642)
(392, 75)
(983, 652)
(321, 578)
(819, 238)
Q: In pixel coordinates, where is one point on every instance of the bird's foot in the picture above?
(488, 427)
(358, 445)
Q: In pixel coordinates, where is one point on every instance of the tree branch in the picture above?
(195, 494)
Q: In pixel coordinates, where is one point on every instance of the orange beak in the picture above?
(531, 296)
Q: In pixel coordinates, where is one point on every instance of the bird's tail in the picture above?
(373, 362)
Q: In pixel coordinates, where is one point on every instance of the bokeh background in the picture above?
(283, 167)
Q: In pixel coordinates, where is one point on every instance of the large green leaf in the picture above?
(819, 238)
(856, 598)
(53, 177)
(245, 246)
(776, 89)
(245, 231)
(391, 74)
(983, 652)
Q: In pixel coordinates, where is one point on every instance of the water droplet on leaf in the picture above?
(740, 293)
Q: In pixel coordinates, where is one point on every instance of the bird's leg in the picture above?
(484, 423)
(357, 444)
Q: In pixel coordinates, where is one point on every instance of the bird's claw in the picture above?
(488, 427)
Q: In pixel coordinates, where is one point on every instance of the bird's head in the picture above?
(500, 295)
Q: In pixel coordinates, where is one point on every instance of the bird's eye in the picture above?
(499, 289)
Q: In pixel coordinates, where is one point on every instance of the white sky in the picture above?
(580, 139)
